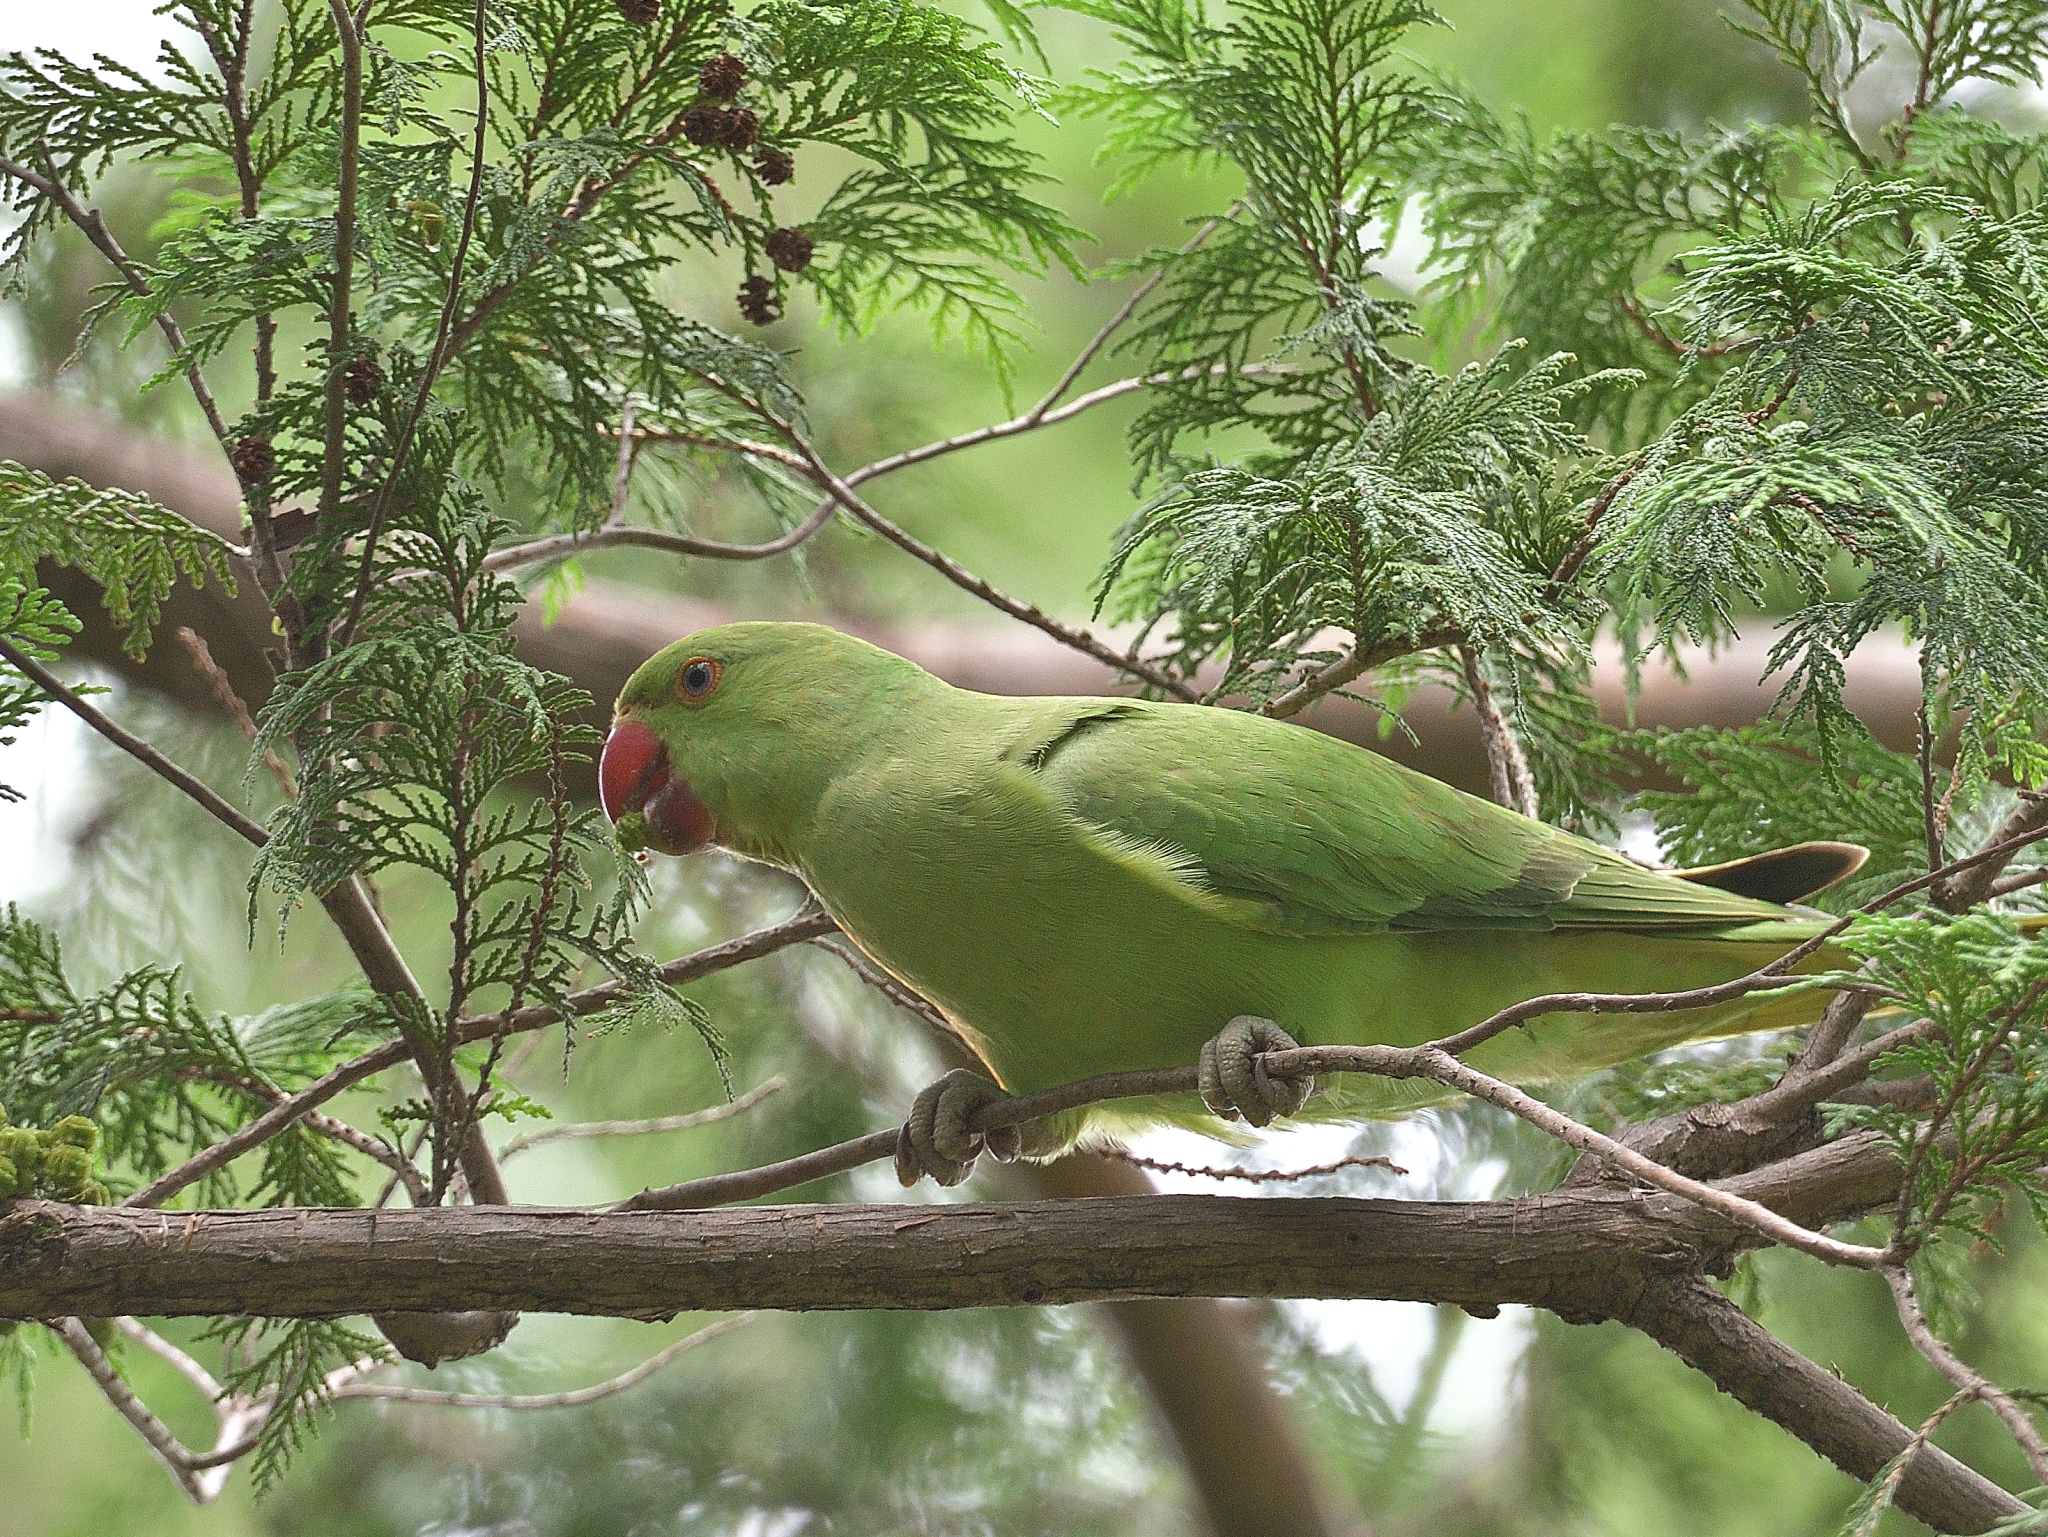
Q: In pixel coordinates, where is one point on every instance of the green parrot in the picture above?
(1097, 885)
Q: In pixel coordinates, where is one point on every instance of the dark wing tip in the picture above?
(1783, 875)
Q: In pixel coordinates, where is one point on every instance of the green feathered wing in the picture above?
(1317, 837)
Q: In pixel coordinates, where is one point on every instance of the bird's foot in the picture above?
(936, 1140)
(1234, 1081)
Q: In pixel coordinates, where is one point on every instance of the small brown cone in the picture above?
(738, 128)
(759, 302)
(722, 77)
(254, 460)
(362, 381)
(702, 122)
(789, 249)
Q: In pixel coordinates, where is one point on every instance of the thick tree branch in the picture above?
(1688, 1316)
(1584, 1253)
(1544, 1251)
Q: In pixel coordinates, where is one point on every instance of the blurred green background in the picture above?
(999, 1422)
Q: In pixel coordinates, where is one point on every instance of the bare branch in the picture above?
(1586, 1253)
(633, 536)
(157, 1345)
(689, 1122)
(233, 705)
(1514, 785)
(1829, 1034)
(622, 472)
(1433, 1063)
(94, 228)
(1429, 1062)
(1352, 666)
(952, 570)
(392, 1392)
(437, 356)
(133, 745)
(1972, 880)
(714, 958)
(170, 1451)
(1972, 1383)
(904, 998)
(1690, 1317)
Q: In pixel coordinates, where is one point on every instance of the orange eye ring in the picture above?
(699, 676)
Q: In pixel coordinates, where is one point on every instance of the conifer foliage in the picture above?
(1721, 369)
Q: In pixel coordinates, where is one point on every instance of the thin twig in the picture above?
(641, 1128)
(133, 745)
(392, 1392)
(157, 1345)
(2006, 885)
(341, 291)
(622, 471)
(170, 1451)
(1648, 325)
(559, 546)
(437, 356)
(805, 925)
(632, 536)
(1381, 1061)
(370, 1147)
(1972, 1383)
(1514, 785)
(223, 690)
(1966, 886)
(1575, 558)
(1353, 665)
(1111, 326)
(1254, 1176)
(95, 230)
(1830, 1033)
(857, 962)
(959, 575)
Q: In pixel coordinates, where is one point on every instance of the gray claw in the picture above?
(936, 1139)
(1233, 1077)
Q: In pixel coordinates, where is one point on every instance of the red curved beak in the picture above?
(634, 778)
(633, 767)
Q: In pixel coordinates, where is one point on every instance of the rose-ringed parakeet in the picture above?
(1095, 885)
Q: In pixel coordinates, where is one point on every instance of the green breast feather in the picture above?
(1298, 833)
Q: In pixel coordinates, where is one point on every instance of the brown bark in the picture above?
(1587, 1255)
(1690, 1318)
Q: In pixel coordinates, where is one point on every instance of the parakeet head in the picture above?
(732, 734)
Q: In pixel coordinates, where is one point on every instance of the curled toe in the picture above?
(1232, 1073)
(938, 1138)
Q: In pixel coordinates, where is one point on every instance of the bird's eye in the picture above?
(699, 677)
